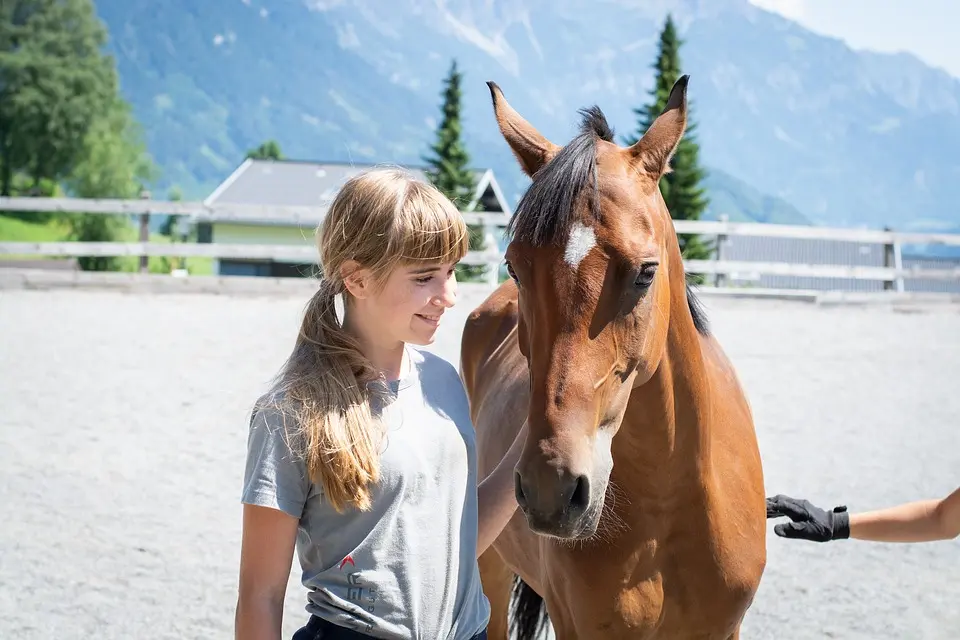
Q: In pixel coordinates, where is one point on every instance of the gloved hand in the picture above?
(809, 522)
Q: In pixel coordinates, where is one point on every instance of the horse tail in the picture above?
(529, 612)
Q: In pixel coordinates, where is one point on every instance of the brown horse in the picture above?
(641, 493)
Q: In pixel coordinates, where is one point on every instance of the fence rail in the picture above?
(307, 253)
(200, 212)
(893, 273)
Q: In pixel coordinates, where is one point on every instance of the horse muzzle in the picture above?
(555, 502)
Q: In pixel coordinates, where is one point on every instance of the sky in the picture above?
(925, 28)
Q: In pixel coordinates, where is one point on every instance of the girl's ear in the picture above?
(356, 279)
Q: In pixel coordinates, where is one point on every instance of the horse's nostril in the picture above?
(581, 494)
(518, 490)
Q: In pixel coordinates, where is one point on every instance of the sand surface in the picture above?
(123, 433)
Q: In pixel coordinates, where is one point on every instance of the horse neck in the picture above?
(662, 448)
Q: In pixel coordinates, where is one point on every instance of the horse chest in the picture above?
(660, 599)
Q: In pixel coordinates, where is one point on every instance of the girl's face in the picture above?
(411, 303)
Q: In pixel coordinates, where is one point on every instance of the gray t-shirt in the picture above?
(407, 568)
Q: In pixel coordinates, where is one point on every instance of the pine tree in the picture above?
(685, 198)
(449, 165)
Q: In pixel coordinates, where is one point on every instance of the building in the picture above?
(303, 184)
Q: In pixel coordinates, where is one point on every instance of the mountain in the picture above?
(743, 203)
(793, 126)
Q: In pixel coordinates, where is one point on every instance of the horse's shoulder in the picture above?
(499, 305)
(488, 325)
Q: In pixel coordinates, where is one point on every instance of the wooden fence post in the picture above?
(491, 248)
(719, 279)
(144, 232)
(893, 258)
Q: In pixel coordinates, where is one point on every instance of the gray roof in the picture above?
(300, 183)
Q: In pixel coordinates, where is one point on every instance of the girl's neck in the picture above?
(388, 357)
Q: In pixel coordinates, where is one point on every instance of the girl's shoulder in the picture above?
(270, 406)
(440, 380)
(423, 355)
(275, 413)
(430, 364)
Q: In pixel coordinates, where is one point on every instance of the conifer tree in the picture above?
(682, 191)
(449, 164)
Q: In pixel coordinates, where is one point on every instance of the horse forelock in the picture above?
(547, 213)
(548, 209)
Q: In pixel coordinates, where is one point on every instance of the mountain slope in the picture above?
(742, 203)
(841, 137)
(849, 138)
(210, 80)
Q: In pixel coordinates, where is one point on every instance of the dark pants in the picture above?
(320, 629)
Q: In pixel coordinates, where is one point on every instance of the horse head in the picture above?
(597, 265)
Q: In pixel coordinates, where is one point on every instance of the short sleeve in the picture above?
(274, 476)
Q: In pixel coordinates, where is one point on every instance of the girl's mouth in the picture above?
(431, 320)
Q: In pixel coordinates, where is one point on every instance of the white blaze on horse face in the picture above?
(602, 461)
(581, 240)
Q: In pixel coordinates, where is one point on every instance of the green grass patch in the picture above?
(15, 230)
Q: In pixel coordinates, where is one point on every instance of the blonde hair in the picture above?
(382, 218)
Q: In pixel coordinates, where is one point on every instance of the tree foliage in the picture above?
(682, 190)
(64, 126)
(55, 82)
(22, 186)
(113, 164)
(269, 150)
(169, 226)
(449, 164)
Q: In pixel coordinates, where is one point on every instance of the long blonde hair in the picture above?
(382, 218)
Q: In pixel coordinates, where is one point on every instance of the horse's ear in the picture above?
(528, 145)
(658, 144)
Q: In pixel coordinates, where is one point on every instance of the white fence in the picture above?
(892, 274)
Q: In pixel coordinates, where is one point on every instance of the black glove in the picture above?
(809, 522)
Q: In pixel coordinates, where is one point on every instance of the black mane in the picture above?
(546, 211)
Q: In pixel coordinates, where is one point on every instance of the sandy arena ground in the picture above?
(123, 432)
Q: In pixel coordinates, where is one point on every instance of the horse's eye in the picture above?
(512, 273)
(645, 277)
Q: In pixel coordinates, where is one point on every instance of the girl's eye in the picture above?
(424, 279)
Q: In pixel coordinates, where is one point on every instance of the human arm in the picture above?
(275, 488)
(266, 552)
(917, 521)
(496, 495)
(920, 521)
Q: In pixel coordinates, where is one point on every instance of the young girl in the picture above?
(363, 452)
